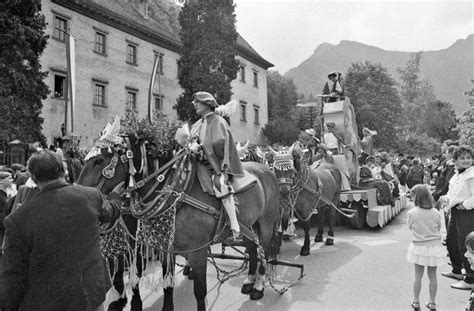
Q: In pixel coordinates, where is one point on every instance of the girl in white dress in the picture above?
(426, 249)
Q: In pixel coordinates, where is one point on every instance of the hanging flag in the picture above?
(152, 84)
(71, 74)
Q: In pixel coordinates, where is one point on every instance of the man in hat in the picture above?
(311, 144)
(333, 139)
(211, 136)
(334, 88)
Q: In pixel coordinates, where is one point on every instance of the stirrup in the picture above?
(415, 306)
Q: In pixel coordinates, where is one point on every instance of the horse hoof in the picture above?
(285, 237)
(118, 305)
(318, 238)
(136, 303)
(256, 294)
(304, 252)
(247, 288)
(186, 270)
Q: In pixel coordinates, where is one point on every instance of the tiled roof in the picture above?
(161, 27)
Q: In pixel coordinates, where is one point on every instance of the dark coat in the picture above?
(52, 259)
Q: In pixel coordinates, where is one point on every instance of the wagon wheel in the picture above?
(358, 221)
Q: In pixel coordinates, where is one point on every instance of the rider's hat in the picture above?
(205, 98)
(312, 133)
(332, 74)
(330, 124)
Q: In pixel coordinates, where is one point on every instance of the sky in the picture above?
(286, 32)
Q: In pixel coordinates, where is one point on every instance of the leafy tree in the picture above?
(21, 80)
(466, 122)
(282, 96)
(419, 144)
(416, 94)
(439, 120)
(282, 131)
(207, 62)
(282, 127)
(376, 102)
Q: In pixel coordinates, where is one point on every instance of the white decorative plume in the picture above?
(228, 109)
(109, 137)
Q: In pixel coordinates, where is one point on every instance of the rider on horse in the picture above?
(211, 135)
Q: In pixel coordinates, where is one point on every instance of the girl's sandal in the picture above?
(415, 306)
(431, 306)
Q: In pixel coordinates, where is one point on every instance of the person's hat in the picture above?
(332, 74)
(330, 124)
(207, 98)
(371, 158)
(323, 147)
(312, 133)
(4, 174)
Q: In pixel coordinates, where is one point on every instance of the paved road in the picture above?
(365, 270)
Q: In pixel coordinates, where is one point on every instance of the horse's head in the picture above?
(286, 165)
(106, 164)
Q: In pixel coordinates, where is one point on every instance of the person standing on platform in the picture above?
(367, 143)
(333, 140)
(334, 88)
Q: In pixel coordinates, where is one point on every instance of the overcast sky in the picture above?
(287, 32)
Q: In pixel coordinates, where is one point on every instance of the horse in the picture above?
(308, 190)
(174, 188)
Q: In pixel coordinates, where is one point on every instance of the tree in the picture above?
(376, 102)
(466, 122)
(22, 88)
(416, 94)
(439, 120)
(282, 127)
(207, 62)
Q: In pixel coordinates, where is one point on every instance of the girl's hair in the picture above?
(462, 150)
(423, 196)
(469, 242)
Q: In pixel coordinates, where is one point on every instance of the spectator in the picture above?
(460, 200)
(469, 243)
(416, 174)
(51, 256)
(6, 181)
(426, 249)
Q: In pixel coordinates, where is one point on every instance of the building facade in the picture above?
(115, 45)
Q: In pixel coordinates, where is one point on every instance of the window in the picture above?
(242, 73)
(99, 99)
(243, 111)
(99, 45)
(132, 98)
(255, 114)
(59, 86)
(255, 78)
(131, 54)
(158, 102)
(60, 28)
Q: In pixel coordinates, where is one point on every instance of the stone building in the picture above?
(115, 45)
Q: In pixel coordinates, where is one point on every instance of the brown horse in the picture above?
(175, 186)
(308, 190)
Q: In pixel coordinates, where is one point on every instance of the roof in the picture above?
(161, 27)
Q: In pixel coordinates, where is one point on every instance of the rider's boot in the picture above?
(229, 206)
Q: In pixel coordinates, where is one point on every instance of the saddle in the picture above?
(239, 184)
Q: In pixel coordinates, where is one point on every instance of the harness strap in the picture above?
(200, 205)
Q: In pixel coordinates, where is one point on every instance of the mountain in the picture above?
(449, 70)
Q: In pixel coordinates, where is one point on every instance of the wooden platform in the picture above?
(365, 202)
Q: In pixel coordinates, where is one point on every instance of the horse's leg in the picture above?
(251, 277)
(331, 220)
(306, 226)
(259, 286)
(319, 235)
(136, 303)
(168, 304)
(118, 284)
(198, 261)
